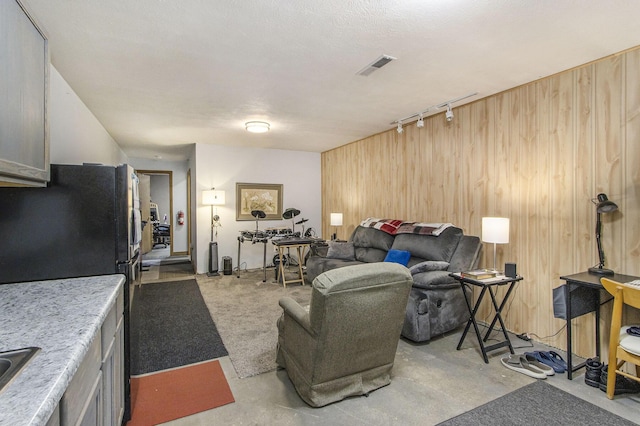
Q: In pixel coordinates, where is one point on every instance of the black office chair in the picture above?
(161, 234)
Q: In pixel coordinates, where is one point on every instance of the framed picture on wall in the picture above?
(258, 196)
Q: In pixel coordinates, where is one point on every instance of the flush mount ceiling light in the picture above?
(420, 115)
(257, 126)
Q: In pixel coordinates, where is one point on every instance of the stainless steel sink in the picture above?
(12, 362)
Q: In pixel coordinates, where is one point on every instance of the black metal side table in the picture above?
(486, 285)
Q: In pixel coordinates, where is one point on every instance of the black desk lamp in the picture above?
(603, 205)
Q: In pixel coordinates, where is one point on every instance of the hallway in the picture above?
(157, 266)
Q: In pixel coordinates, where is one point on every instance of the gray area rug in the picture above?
(538, 404)
(245, 311)
(171, 327)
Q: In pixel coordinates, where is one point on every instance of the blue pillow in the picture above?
(398, 256)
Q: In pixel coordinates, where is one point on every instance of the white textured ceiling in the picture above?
(162, 74)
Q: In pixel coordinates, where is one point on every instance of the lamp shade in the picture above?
(213, 198)
(495, 230)
(336, 219)
(604, 205)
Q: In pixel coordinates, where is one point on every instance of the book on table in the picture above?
(479, 274)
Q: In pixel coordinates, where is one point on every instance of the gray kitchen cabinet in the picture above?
(95, 395)
(24, 89)
(81, 403)
(112, 363)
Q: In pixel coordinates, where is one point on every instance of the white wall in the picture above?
(222, 167)
(76, 136)
(179, 175)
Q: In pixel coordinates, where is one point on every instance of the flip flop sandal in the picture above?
(520, 364)
(545, 358)
(558, 359)
(541, 366)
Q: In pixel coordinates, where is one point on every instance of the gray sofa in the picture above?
(345, 343)
(436, 303)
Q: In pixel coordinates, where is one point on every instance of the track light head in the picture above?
(420, 122)
(400, 126)
(449, 114)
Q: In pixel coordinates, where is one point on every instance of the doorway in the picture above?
(156, 206)
(163, 255)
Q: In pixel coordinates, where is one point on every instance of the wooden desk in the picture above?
(586, 287)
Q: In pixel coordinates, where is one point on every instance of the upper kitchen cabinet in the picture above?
(24, 93)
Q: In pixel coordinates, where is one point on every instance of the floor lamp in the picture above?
(336, 220)
(495, 230)
(603, 205)
(213, 198)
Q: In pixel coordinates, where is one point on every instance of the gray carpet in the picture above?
(171, 327)
(537, 404)
(245, 311)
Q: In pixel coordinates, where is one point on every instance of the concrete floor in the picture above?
(431, 382)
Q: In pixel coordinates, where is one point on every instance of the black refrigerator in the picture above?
(85, 222)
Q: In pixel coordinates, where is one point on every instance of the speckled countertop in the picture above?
(61, 317)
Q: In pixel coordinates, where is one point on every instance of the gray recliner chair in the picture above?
(345, 343)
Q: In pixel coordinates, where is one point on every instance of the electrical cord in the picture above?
(526, 336)
(239, 269)
(548, 337)
(522, 336)
(496, 330)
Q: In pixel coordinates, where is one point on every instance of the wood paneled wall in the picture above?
(537, 154)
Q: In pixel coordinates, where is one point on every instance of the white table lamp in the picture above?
(336, 220)
(213, 198)
(495, 230)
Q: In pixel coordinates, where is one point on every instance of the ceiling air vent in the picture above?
(375, 65)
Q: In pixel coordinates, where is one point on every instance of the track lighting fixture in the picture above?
(420, 115)
(449, 113)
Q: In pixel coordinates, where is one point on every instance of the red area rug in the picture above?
(172, 394)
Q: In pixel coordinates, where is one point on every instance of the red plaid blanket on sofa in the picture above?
(396, 226)
(434, 229)
(390, 226)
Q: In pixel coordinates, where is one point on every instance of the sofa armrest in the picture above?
(296, 312)
(434, 280)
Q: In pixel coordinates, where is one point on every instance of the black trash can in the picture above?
(227, 265)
